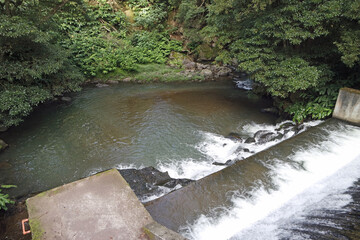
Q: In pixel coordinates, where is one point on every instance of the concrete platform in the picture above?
(102, 206)
(347, 106)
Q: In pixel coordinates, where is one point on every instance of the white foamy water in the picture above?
(246, 84)
(217, 148)
(329, 169)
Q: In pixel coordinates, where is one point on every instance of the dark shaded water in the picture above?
(125, 126)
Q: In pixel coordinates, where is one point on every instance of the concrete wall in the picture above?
(347, 106)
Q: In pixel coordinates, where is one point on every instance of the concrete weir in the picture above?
(102, 206)
(348, 106)
(185, 205)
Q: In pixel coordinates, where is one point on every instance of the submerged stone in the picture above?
(5, 165)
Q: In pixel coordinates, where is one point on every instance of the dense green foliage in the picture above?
(101, 40)
(33, 67)
(4, 198)
(299, 52)
(45, 44)
(302, 52)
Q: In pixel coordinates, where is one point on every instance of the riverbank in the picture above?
(186, 70)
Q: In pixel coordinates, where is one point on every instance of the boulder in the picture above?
(260, 133)
(268, 137)
(112, 82)
(285, 126)
(250, 140)
(245, 150)
(66, 99)
(3, 145)
(207, 73)
(206, 52)
(223, 72)
(227, 163)
(234, 136)
(299, 128)
(190, 65)
(201, 66)
(101, 85)
(128, 79)
(242, 149)
(146, 181)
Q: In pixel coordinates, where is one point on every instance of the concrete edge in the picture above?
(347, 106)
(34, 224)
(156, 231)
(352, 90)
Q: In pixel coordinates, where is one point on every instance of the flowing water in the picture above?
(174, 127)
(306, 187)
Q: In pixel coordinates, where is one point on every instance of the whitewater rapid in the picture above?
(315, 179)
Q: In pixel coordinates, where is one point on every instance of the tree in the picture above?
(33, 68)
(301, 52)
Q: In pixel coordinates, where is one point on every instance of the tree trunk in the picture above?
(7, 7)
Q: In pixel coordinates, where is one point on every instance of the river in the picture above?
(175, 127)
(306, 187)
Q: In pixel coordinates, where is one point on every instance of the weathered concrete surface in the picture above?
(102, 206)
(347, 106)
(156, 231)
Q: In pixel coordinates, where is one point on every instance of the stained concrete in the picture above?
(347, 106)
(102, 206)
(156, 231)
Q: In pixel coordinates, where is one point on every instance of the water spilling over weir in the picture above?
(271, 194)
(306, 187)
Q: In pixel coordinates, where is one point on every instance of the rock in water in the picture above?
(260, 133)
(146, 181)
(286, 126)
(101, 85)
(268, 137)
(250, 140)
(227, 163)
(112, 82)
(66, 99)
(3, 145)
(234, 136)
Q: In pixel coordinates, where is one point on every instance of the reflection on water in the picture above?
(122, 126)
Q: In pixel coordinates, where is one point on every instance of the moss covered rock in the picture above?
(3, 145)
(205, 52)
(177, 59)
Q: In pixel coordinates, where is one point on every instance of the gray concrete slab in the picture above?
(347, 106)
(102, 206)
(156, 231)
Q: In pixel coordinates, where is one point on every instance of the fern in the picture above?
(4, 198)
